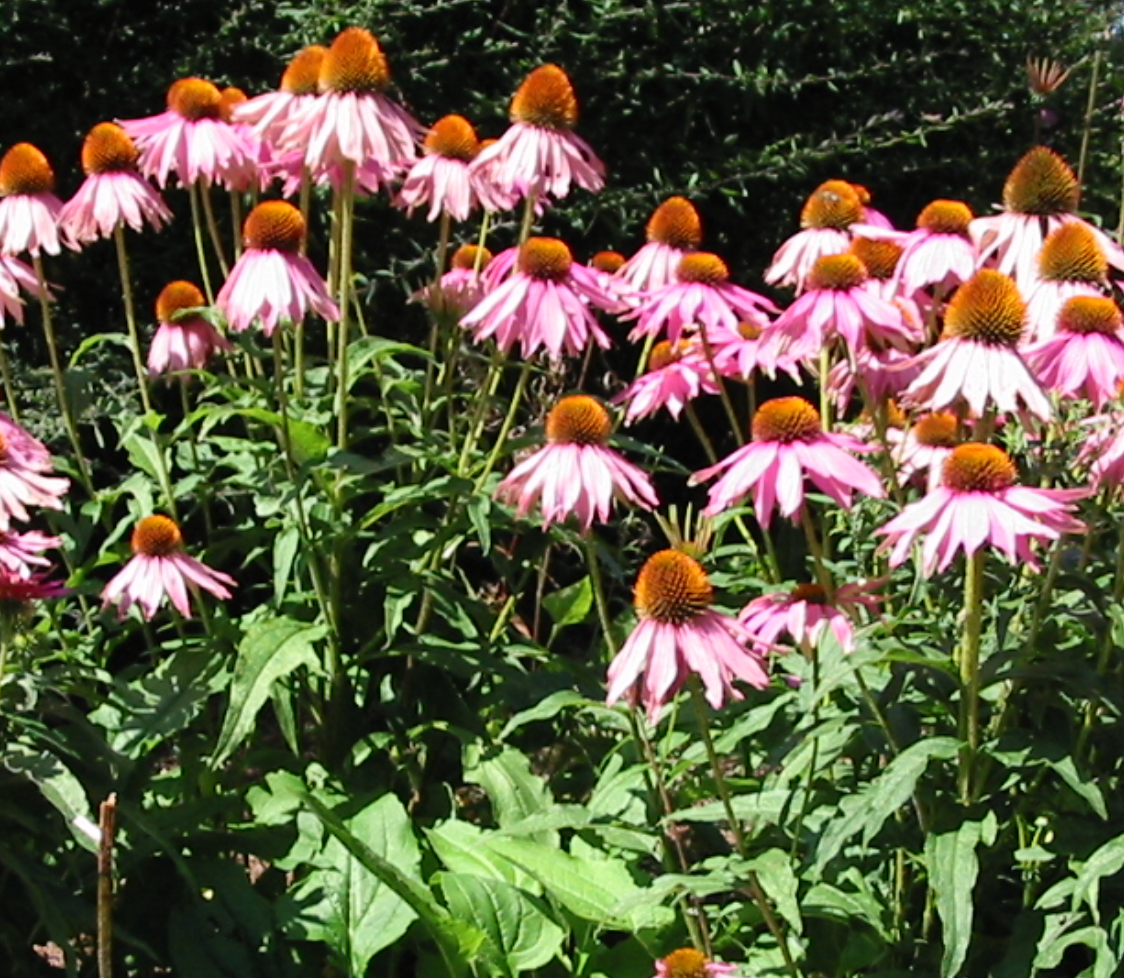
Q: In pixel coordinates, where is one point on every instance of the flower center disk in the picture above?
(704, 267)
(687, 962)
(609, 262)
(302, 74)
(937, 430)
(665, 353)
(578, 420)
(672, 588)
(175, 297)
(839, 273)
(879, 257)
(676, 224)
(1085, 314)
(107, 148)
(546, 99)
(453, 137)
(1072, 253)
(834, 204)
(230, 97)
(986, 309)
(156, 536)
(945, 217)
(811, 593)
(976, 467)
(1041, 183)
(545, 258)
(195, 99)
(274, 226)
(785, 420)
(465, 257)
(25, 170)
(354, 63)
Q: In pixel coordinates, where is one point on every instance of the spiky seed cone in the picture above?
(976, 467)
(1084, 314)
(837, 272)
(1041, 183)
(107, 148)
(195, 99)
(1072, 253)
(274, 226)
(702, 266)
(578, 420)
(672, 588)
(453, 137)
(545, 258)
(176, 297)
(354, 63)
(156, 536)
(879, 257)
(25, 170)
(465, 257)
(946, 217)
(986, 309)
(676, 224)
(833, 204)
(302, 74)
(786, 419)
(546, 99)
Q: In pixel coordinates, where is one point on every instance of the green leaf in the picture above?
(460, 847)
(571, 605)
(146, 455)
(270, 650)
(285, 546)
(1108, 860)
(774, 870)
(516, 793)
(58, 785)
(479, 512)
(520, 934)
(545, 709)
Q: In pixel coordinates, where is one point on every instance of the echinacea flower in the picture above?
(21, 553)
(688, 962)
(273, 283)
(269, 114)
(979, 503)
(182, 341)
(1102, 452)
(1085, 356)
(673, 230)
(576, 473)
(806, 612)
(160, 568)
(18, 591)
(113, 192)
(702, 296)
(927, 443)
(789, 445)
(826, 218)
(1071, 263)
(16, 277)
(675, 376)
(741, 353)
(24, 479)
(461, 287)
(679, 635)
(1039, 196)
(939, 255)
(353, 122)
(540, 155)
(877, 375)
(544, 304)
(191, 140)
(976, 362)
(442, 177)
(29, 208)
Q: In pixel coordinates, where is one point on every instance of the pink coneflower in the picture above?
(21, 553)
(540, 154)
(880, 258)
(24, 482)
(1103, 450)
(884, 374)
(544, 304)
(576, 473)
(461, 287)
(113, 192)
(605, 265)
(789, 445)
(273, 282)
(828, 214)
(1085, 357)
(191, 140)
(741, 353)
(1040, 195)
(353, 121)
(927, 443)
(978, 503)
(976, 363)
(159, 568)
(17, 276)
(441, 178)
(269, 114)
(485, 178)
(673, 230)
(940, 254)
(29, 208)
(676, 375)
(17, 591)
(701, 296)
(1071, 263)
(182, 341)
(679, 634)
(806, 612)
(690, 963)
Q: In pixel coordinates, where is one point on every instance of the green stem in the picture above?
(200, 248)
(599, 593)
(823, 575)
(480, 409)
(434, 321)
(236, 222)
(825, 394)
(131, 316)
(346, 214)
(724, 395)
(213, 226)
(1108, 647)
(1087, 126)
(505, 428)
(9, 385)
(970, 671)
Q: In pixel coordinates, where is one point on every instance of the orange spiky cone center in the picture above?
(786, 419)
(545, 258)
(672, 588)
(454, 138)
(665, 353)
(1072, 253)
(894, 415)
(879, 257)
(687, 962)
(156, 536)
(749, 331)
(811, 593)
(195, 99)
(466, 256)
(609, 262)
(578, 420)
(945, 217)
(354, 63)
(833, 204)
(837, 272)
(107, 148)
(675, 223)
(546, 99)
(937, 430)
(702, 266)
(175, 297)
(25, 170)
(302, 74)
(1041, 183)
(986, 309)
(230, 97)
(274, 226)
(976, 467)
(1085, 314)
